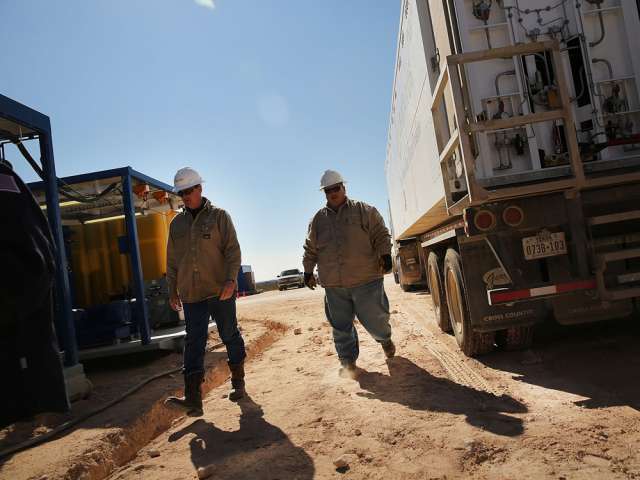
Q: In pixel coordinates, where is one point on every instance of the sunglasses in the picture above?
(187, 191)
(330, 190)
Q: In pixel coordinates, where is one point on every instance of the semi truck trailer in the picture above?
(513, 162)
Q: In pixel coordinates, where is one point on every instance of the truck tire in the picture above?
(405, 287)
(395, 278)
(438, 295)
(470, 342)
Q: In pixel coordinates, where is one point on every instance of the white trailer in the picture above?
(513, 157)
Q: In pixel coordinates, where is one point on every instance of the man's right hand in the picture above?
(310, 280)
(175, 303)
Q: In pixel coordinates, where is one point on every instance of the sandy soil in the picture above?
(567, 408)
(93, 448)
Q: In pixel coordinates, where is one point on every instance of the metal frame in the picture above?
(31, 125)
(39, 127)
(460, 139)
(111, 173)
(126, 174)
(134, 256)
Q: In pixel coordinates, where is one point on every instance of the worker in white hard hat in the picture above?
(203, 260)
(349, 242)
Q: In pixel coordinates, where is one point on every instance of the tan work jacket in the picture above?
(202, 253)
(346, 245)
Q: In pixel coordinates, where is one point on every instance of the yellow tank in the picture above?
(80, 266)
(152, 241)
(119, 270)
(101, 271)
(98, 263)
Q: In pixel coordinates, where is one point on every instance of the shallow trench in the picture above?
(101, 455)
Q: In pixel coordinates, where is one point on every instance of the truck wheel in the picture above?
(516, 338)
(405, 287)
(438, 296)
(470, 342)
(395, 277)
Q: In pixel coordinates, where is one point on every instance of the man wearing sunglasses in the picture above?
(203, 260)
(351, 246)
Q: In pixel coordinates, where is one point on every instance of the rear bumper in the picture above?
(503, 296)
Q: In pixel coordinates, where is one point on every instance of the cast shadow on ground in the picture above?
(595, 361)
(409, 385)
(111, 377)
(256, 450)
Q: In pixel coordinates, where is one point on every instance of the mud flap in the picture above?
(482, 272)
(507, 316)
(583, 308)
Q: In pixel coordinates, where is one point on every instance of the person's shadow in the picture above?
(256, 450)
(408, 384)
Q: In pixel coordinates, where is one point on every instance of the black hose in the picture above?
(606, 62)
(582, 86)
(488, 35)
(32, 442)
(500, 75)
(602, 31)
(66, 190)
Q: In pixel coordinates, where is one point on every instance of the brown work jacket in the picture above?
(346, 245)
(202, 253)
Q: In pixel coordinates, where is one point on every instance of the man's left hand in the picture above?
(385, 263)
(228, 290)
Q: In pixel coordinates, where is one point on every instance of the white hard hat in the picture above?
(186, 178)
(329, 178)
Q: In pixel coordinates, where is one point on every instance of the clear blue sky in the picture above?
(260, 96)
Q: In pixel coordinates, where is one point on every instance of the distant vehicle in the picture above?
(290, 278)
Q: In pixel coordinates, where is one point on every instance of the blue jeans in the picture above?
(196, 316)
(370, 303)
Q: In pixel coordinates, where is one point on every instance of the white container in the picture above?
(536, 152)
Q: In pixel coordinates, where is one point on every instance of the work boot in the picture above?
(192, 400)
(237, 381)
(348, 369)
(389, 348)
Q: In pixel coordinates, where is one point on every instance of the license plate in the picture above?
(542, 246)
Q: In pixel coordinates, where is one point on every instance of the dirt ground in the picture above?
(567, 408)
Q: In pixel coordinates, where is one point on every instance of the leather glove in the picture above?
(385, 263)
(310, 280)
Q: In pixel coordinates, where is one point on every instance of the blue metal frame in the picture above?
(134, 255)
(38, 124)
(125, 174)
(41, 125)
(112, 173)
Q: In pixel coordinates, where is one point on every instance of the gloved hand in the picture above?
(386, 265)
(310, 280)
(175, 302)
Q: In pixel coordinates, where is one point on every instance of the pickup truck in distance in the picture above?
(290, 278)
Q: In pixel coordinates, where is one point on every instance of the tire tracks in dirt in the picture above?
(453, 363)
